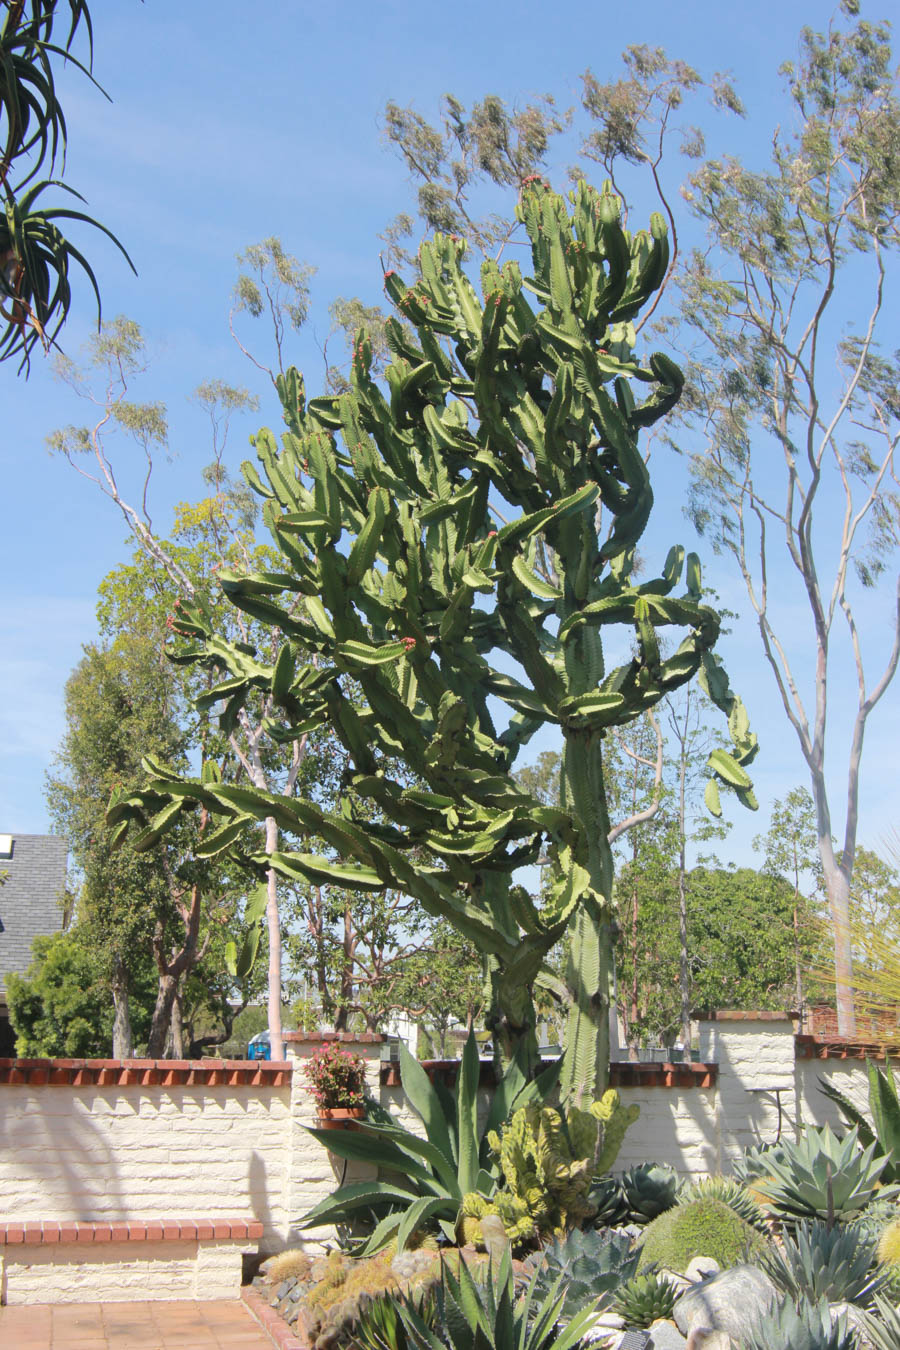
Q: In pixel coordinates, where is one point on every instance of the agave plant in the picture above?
(587, 1265)
(469, 1315)
(883, 1129)
(824, 1262)
(608, 1202)
(754, 1162)
(380, 1326)
(801, 1326)
(882, 1324)
(649, 1189)
(731, 1193)
(428, 1177)
(644, 1299)
(822, 1177)
(35, 256)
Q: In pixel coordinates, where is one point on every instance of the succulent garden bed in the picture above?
(522, 1237)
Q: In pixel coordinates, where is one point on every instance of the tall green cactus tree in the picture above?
(457, 547)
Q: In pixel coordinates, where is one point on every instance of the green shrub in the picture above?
(699, 1228)
(731, 1193)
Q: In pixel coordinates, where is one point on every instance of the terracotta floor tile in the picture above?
(181, 1325)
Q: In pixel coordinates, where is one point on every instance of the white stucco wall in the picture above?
(132, 1152)
(206, 1150)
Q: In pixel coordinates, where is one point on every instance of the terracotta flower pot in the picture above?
(339, 1117)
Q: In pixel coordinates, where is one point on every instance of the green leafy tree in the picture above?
(35, 256)
(61, 1007)
(790, 850)
(208, 535)
(742, 938)
(158, 902)
(388, 535)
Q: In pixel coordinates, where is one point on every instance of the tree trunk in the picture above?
(162, 1016)
(176, 1024)
(274, 999)
(837, 888)
(837, 891)
(123, 1039)
(684, 973)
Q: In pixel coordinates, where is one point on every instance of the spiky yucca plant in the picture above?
(471, 1315)
(644, 1299)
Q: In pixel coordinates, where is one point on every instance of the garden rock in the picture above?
(602, 1325)
(700, 1268)
(701, 1338)
(727, 1302)
(666, 1336)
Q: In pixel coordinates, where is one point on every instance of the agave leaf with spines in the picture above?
(818, 1261)
(589, 1266)
(649, 1189)
(800, 1326)
(413, 516)
(822, 1177)
(487, 1315)
(882, 1324)
(883, 1128)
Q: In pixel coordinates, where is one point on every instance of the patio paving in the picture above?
(131, 1326)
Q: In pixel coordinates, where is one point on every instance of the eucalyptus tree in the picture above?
(168, 572)
(35, 256)
(794, 409)
(406, 579)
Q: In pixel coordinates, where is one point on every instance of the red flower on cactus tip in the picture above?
(408, 643)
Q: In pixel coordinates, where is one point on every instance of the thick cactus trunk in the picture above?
(511, 1020)
(585, 1070)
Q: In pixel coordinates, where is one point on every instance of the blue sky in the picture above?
(230, 123)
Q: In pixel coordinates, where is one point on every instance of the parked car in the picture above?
(260, 1047)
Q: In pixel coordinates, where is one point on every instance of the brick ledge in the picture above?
(272, 1323)
(32, 1233)
(145, 1072)
(833, 1047)
(345, 1037)
(622, 1073)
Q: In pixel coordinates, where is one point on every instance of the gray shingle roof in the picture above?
(30, 898)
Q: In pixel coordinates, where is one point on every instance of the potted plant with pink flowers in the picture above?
(337, 1080)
